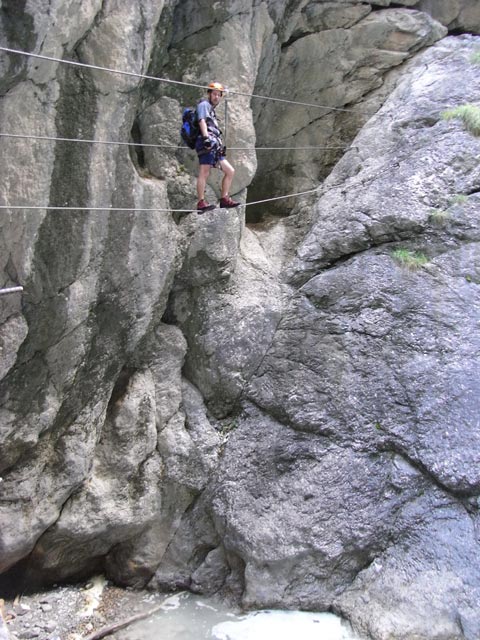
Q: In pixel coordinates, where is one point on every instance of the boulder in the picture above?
(426, 585)
(303, 514)
(349, 480)
(457, 15)
(412, 393)
(334, 64)
(229, 323)
(96, 286)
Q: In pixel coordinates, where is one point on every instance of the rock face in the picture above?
(332, 58)
(355, 463)
(282, 412)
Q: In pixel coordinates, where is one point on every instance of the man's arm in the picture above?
(203, 128)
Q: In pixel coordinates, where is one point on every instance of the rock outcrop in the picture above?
(334, 58)
(283, 412)
(356, 457)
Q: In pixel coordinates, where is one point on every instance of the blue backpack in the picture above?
(190, 129)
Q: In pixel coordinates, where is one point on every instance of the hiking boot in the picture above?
(228, 203)
(202, 206)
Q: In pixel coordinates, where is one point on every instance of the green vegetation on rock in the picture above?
(438, 217)
(469, 113)
(410, 259)
(475, 58)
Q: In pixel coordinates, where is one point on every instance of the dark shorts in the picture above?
(211, 158)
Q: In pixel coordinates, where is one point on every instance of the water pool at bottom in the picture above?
(185, 616)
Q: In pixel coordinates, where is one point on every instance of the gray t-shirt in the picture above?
(205, 111)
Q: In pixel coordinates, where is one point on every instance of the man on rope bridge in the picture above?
(210, 148)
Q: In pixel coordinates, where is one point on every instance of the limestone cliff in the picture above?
(266, 402)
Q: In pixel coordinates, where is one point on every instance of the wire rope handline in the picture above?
(25, 136)
(168, 80)
(290, 195)
(4, 292)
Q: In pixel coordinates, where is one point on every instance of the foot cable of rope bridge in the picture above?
(151, 209)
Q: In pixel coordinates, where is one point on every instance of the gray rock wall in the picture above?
(281, 411)
(354, 458)
(334, 58)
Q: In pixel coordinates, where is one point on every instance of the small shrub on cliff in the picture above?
(469, 113)
(409, 259)
(475, 57)
(438, 217)
(460, 198)
(228, 426)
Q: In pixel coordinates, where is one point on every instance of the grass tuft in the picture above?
(475, 57)
(468, 113)
(409, 259)
(438, 217)
(460, 198)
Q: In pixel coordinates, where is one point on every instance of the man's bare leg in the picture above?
(203, 174)
(228, 172)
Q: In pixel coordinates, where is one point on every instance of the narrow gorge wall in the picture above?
(278, 411)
